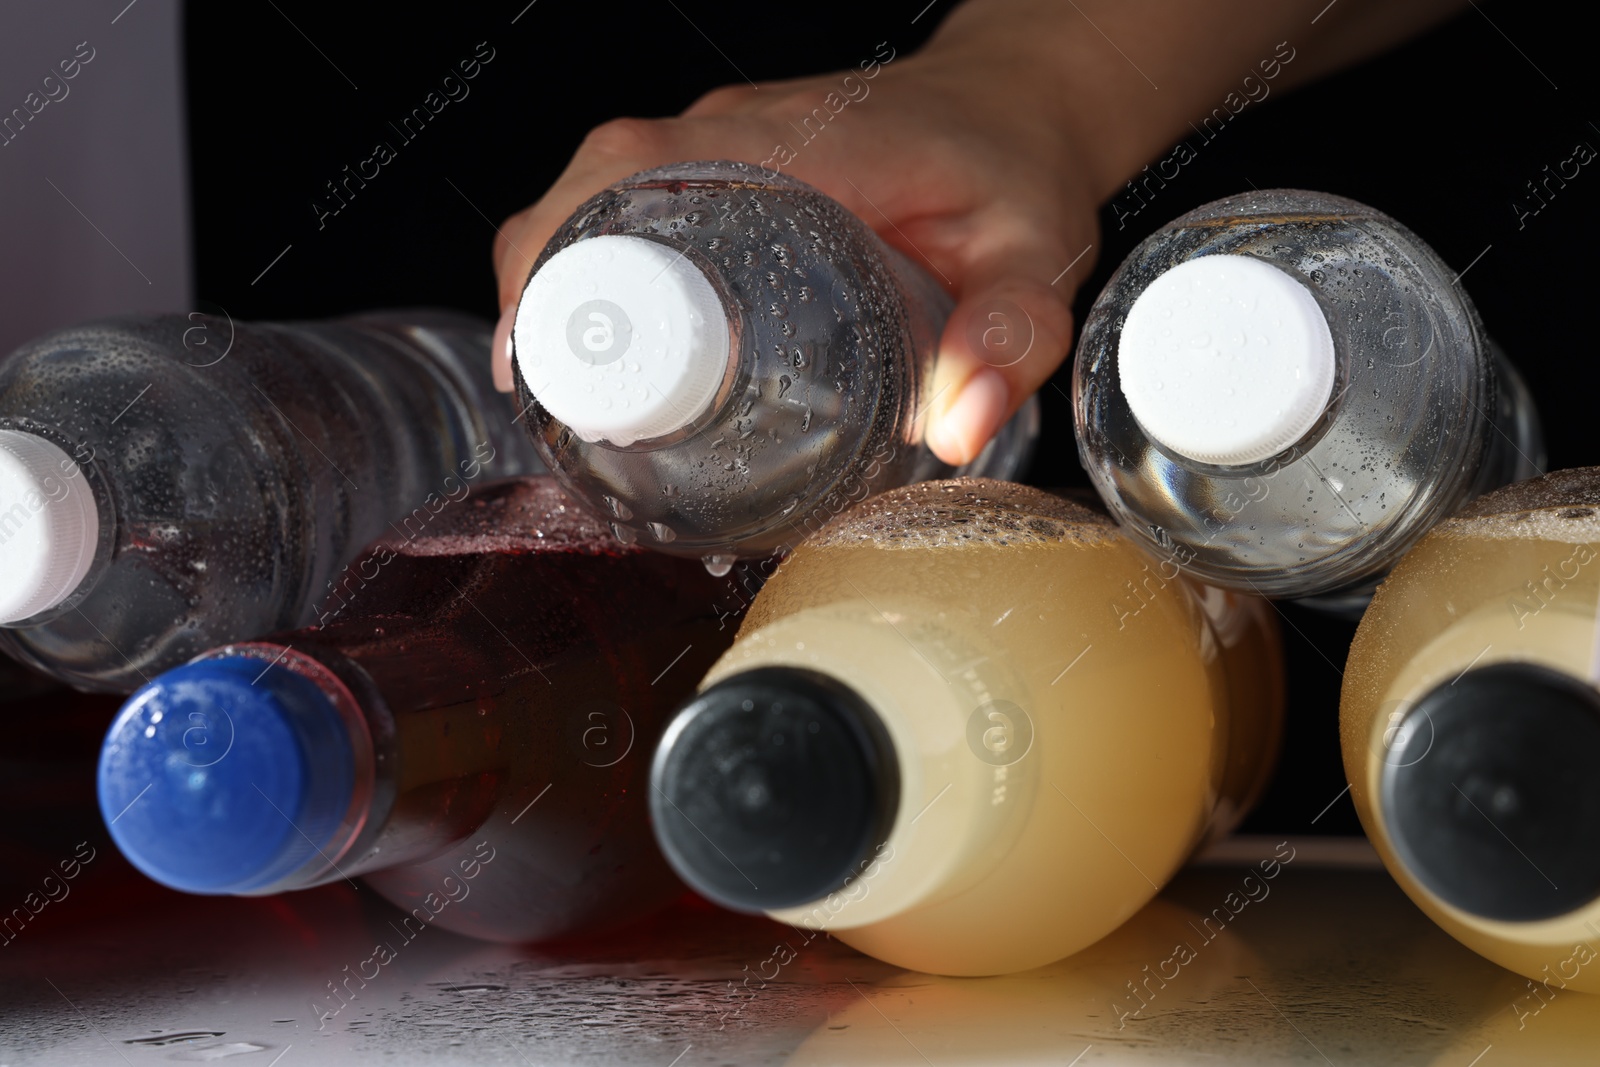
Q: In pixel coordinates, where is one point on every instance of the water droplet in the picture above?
(784, 382)
(661, 532)
(623, 533)
(718, 565)
(618, 508)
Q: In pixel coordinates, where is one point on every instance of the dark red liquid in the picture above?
(526, 659)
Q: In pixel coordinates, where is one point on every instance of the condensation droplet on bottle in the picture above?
(625, 534)
(805, 423)
(784, 382)
(718, 565)
(618, 508)
(661, 532)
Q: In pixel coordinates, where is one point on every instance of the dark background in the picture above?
(1442, 133)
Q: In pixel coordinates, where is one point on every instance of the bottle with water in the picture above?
(719, 358)
(169, 484)
(1282, 391)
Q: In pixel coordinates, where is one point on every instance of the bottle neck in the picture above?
(403, 776)
(965, 788)
(327, 859)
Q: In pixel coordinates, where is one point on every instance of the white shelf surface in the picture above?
(1331, 966)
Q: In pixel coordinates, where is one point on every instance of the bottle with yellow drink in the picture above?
(1470, 721)
(968, 728)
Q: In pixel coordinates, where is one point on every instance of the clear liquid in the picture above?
(1423, 416)
(235, 480)
(835, 335)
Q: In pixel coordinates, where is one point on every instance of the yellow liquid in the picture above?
(1516, 579)
(972, 615)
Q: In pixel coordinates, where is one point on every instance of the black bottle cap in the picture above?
(773, 788)
(1491, 792)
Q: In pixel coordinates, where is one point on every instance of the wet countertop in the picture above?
(1325, 963)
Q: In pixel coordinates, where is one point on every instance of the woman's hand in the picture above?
(984, 156)
(951, 156)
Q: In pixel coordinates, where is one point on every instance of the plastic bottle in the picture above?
(1282, 391)
(1470, 723)
(968, 728)
(477, 723)
(719, 358)
(169, 484)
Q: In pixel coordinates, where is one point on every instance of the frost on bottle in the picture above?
(169, 484)
(942, 711)
(470, 736)
(1282, 391)
(719, 358)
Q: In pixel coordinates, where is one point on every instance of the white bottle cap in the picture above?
(1226, 359)
(49, 526)
(621, 338)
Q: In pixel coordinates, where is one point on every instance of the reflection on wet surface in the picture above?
(1323, 962)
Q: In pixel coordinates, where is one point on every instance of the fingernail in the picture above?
(500, 350)
(967, 424)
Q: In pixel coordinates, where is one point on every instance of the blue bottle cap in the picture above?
(226, 775)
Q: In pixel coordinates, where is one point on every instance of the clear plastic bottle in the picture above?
(719, 359)
(1282, 391)
(968, 728)
(471, 736)
(1470, 721)
(169, 484)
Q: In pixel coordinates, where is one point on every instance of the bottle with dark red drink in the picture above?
(469, 730)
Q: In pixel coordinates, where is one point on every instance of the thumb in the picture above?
(1007, 336)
